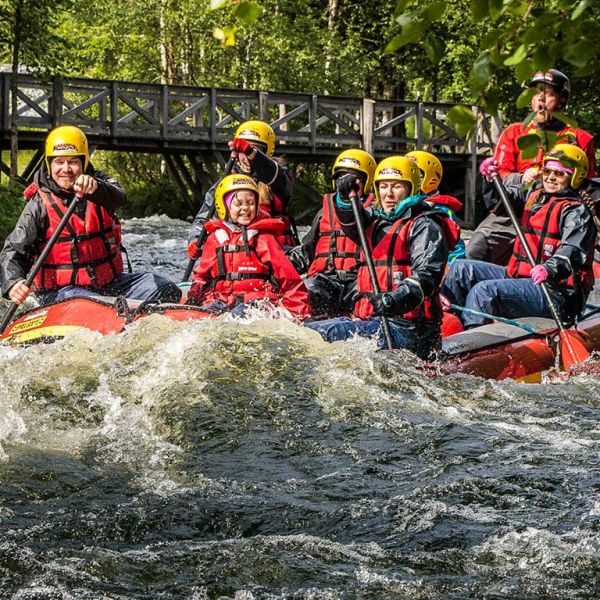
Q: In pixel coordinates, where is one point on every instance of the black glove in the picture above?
(346, 184)
(389, 304)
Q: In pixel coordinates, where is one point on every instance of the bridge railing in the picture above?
(205, 117)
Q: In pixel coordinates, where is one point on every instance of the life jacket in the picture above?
(277, 209)
(543, 237)
(238, 275)
(88, 251)
(334, 251)
(451, 202)
(392, 263)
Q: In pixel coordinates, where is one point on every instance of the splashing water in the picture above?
(251, 460)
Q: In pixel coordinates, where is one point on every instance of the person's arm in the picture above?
(291, 288)
(578, 234)
(20, 247)
(109, 192)
(203, 215)
(303, 255)
(274, 174)
(202, 274)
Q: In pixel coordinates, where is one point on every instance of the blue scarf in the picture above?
(403, 205)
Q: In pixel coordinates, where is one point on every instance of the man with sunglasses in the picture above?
(492, 240)
(560, 232)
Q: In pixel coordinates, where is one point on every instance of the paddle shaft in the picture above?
(40, 261)
(370, 265)
(493, 317)
(211, 213)
(513, 217)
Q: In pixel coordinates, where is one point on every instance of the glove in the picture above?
(539, 274)
(193, 251)
(489, 167)
(242, 146)
(346, 184)
(383, 304)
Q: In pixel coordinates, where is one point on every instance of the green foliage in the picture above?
(11, 205)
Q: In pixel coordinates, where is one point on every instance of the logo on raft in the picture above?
(30, 322)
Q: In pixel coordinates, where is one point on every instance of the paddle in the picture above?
(572, 348)
(370, 266)
(202, 235)
(471, 311)
(40, 261)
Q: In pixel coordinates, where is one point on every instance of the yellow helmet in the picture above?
(357, 160)
(67, 140)
(258, 132)
(232, 183)
(398, 168)
(572, 157)
(431, 169)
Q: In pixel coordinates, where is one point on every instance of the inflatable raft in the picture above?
(522, 351)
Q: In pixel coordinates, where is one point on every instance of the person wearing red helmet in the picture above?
(493, 239)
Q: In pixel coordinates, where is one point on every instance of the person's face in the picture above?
(64, 170)
(242, 209)
(546, 100)
(555, 180)
(392, 192)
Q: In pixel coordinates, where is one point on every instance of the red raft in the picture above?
(105, 315)
(497, 351)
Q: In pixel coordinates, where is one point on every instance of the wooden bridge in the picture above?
(190, 126)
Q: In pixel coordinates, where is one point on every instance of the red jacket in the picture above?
(88, 252)
(233, 273)
(509, 158)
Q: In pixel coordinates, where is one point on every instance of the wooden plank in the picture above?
(137, 110)
(189, 111)
(396, 121)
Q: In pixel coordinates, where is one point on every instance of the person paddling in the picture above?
(327, 254)
(252, 149)
(493, 239)
(86, 259)
(409, 242)
(560, 232)
(243, 262)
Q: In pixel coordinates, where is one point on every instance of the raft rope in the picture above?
(471, 311)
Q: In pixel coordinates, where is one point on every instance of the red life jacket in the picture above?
(88, 252)
(444, 200)
(391, 258)
(277, 209)
(334, 249)
(238, 275)
(543, 237)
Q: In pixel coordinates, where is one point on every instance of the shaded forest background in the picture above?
(454, 51)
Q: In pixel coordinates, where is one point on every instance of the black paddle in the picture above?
(40, 261)
(370, 266)
(572, 348)
(202, 235)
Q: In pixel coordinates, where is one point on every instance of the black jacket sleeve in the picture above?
(20, 247)
(303, 255)
(109, 192)
(206, 213)
(274, 174)
(578, 233)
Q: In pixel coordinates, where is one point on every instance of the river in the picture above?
(250, 460)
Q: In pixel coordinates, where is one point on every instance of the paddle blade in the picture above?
(572, 349)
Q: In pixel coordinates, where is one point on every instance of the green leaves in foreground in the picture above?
(245, 12)
(463, 120)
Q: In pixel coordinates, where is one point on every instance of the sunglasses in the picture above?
(555, 172)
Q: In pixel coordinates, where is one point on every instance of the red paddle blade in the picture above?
(572, 349)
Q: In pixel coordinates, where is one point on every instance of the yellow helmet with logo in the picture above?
(431, 169)
(258, 132)
(229, 184)
(356, 160)
(398, 168)
(67, 140)
(572, 157)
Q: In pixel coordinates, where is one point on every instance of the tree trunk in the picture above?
(166, 71)
(14, 133)
(332, 14)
